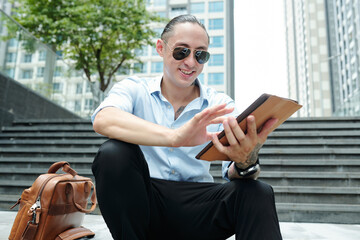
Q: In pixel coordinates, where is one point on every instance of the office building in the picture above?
(323, 56)
(71, 90)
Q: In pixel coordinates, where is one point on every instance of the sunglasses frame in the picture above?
(197, 54)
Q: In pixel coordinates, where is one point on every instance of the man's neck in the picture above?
(180, 96)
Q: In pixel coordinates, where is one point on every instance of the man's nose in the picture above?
(190, 60)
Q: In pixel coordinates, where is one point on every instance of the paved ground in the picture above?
(290, 231)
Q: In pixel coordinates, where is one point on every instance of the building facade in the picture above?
(70, 88)
(323, 56)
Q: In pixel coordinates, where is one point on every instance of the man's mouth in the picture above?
(186, 72)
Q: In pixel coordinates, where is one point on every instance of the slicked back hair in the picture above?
(169, 28)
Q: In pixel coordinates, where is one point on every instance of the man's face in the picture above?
(182, 73)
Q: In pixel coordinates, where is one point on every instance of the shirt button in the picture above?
(171, 149)
(173, 171)
(169, 106)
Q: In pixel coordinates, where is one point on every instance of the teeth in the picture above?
(185, 72)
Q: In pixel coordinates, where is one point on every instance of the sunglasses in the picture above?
(180, 53)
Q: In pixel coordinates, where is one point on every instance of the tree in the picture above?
(98, 35)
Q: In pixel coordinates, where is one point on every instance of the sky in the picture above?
(260, 50)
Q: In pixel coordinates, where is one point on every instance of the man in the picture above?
(149, 184)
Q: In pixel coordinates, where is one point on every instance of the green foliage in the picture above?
(99, 35)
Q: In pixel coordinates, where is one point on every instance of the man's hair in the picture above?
(169, 28)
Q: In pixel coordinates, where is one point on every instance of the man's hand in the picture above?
(194, 131)
(243, 149)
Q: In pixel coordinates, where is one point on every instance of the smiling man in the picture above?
(149, 184)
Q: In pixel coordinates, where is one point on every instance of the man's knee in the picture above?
(115, 156)
(254, 192)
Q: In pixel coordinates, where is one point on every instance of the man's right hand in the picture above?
(194, 132)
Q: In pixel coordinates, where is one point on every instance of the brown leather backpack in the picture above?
(54, 206)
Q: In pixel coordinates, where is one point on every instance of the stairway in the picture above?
(312, 164)
(314, 168)
(29, 147)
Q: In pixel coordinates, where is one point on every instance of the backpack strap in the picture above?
(75, 233)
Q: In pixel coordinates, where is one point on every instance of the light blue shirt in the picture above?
(143, 98)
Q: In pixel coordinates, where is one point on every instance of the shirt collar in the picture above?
(155, 86)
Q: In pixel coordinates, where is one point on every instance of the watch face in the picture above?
(248, 171)
(251, 172)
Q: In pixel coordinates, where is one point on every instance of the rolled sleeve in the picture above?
(122, 95)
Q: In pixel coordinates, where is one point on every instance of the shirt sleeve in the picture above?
(122, 95)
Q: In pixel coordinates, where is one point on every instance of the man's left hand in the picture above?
(243, 148)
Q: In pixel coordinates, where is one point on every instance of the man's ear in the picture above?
(160, 47)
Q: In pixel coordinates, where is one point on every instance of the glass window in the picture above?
(58, 71)
(216, 78)
(77, 106)
(10, 72)
(159, 3)
(27, 58)
(156, 67)
(79, 88)
(12, 42)
(217, 41)
(158, 32)
(140, 68)
(161, 14)
(216, 6)
(42, 55)
(201, 78)
(216, 24)
(198, 7)
(216, 60)
(58, 54)
(10, 57)
(40, 72)
(123, 70)
(88, 86)
(88, 104)
(57, 87)
(27, 74)
(176, 11)
(142, 52)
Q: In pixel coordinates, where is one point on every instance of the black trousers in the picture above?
(135, 206)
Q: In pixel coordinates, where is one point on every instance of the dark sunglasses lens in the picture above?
(181, 53)
(202, 56)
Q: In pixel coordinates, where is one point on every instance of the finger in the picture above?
(218, 145)
(220, 112)
(229, 134)
(204, 115)
(201, 115)
(267, 128)
(239, 134)
(251, 127)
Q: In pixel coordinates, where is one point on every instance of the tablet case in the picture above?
(265, 107)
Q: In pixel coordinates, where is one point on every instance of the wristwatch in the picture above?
(250, 170)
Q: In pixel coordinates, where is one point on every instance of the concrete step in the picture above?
(311, 142)
(279, 178)
(321, 213)
(30, 174)
(304, 165)
(294, 134)
(44, 162)
(49, 135)
(50, 128)
(20, 143)
(32, 122)
(321, 195)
